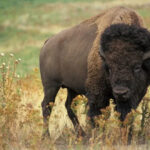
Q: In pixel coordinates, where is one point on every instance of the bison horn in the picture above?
(146, 55)
(101, 52)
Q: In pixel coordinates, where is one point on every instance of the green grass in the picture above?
(26, 24)
(29, 60)
(145, 13)
(9, 3)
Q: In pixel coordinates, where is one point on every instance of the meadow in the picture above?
(24, 26)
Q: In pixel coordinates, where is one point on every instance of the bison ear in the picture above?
(101, 53)
(146, 61)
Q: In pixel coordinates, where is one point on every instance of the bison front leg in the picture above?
(96, 103)
(92, 112)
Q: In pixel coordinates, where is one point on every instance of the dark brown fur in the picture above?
(124, 47)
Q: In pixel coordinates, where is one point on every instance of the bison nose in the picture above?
(121, 91)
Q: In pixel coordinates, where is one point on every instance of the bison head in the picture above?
(125, 50)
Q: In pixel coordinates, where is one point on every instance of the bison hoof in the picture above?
(45, 135)
(81, 133)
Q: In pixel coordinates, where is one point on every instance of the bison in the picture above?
(106, 56)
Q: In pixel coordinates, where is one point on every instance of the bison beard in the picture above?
(123, 108)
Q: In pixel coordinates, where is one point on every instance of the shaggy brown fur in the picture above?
(105, 19)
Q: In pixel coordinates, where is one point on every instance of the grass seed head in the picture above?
(11, 55)
(2, 54)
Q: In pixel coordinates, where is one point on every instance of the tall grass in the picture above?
(18, 121)
(21, 120)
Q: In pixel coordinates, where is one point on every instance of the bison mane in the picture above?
(128, 33)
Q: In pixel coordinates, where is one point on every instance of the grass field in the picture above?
(24, 26)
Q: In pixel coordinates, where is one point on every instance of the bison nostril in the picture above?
(120, 91)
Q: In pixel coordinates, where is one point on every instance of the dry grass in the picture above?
(21, 119)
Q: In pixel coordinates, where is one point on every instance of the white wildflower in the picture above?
(11, 54)
(7, 67)
(18, 76)
(3, 64)
(16, 61)
(2, 54)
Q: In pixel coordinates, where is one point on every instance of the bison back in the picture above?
(63, 58)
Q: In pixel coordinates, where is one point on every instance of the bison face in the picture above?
(124, 66)
(126, 58)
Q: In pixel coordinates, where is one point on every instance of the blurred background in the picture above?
(26, 24)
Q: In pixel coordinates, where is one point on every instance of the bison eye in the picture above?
(137, 68)
(107, 68)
